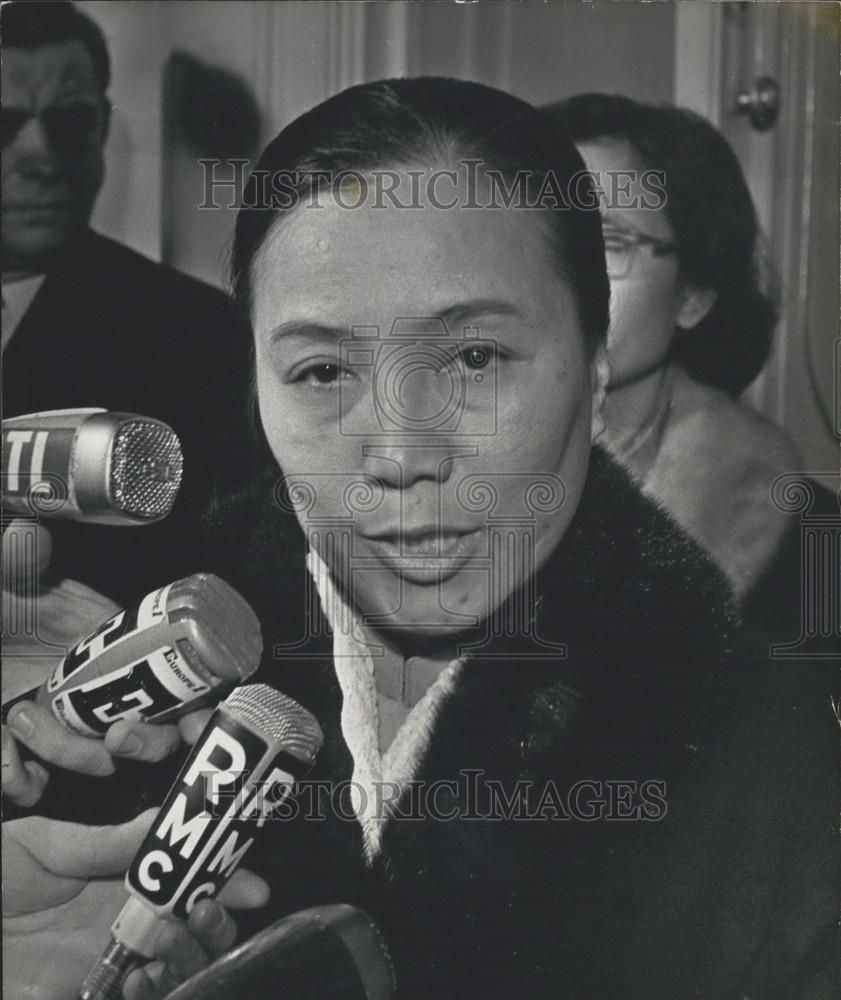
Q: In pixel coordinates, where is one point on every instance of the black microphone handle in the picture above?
(325, 953)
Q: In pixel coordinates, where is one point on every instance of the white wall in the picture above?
(295, 54)
(129, 207)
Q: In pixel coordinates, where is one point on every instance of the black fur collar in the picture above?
(628, 612)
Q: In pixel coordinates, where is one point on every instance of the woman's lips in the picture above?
(427, 556)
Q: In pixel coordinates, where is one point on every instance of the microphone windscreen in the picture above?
(331, 952)
(90, 465)
(145, 473)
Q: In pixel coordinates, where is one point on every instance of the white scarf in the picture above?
(378, 779)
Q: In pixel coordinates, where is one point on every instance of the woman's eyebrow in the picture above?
(306, 328)
(453, 316)
(463, 312)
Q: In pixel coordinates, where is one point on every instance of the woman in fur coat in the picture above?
(691, 327)
(553, 765)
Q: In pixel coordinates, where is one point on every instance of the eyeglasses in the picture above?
(622, 248)
(69, 127)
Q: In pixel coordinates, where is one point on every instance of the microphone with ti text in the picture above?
(325, 953)
(254, 749)
(90, 465)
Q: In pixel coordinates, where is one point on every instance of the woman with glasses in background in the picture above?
(691, 327)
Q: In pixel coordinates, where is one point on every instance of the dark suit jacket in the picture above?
(111, 328)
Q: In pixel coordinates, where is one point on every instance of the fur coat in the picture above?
(723, 472)
(648, 809)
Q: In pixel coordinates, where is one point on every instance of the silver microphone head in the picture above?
(222, 636)
(146, 469)
(91, 465)
(277, 718)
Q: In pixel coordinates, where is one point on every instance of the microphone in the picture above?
(90, 465)
(325, 953)
(256, 746)
(164, 656)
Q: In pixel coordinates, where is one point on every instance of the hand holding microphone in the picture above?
(255, 748)
(156, 660)
(85, 465)
(171, 653)
(54, 890)
(63, 884)
(40, 622)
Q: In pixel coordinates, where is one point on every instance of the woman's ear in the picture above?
(599, 377)
(695, 304)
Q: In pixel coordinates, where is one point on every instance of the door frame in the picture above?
(792, 171)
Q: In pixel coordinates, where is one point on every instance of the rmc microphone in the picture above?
(179, 647)
(254, 749)
(331, 952)
(90, 465)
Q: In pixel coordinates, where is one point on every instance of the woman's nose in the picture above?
(401, 462)
(416, 420)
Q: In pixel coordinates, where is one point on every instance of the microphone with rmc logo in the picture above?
(255, 748)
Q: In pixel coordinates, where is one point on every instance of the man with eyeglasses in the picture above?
(86, 320)
(55, 119)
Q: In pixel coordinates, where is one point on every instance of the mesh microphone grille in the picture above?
(277, 717)
(146, 465)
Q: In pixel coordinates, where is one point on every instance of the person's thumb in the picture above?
(77, 851)
(48, 862)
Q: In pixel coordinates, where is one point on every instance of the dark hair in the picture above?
(403, 122)
(713, 218)
(28, 25)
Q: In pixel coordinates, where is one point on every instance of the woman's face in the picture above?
(424, 386)
(649, 303)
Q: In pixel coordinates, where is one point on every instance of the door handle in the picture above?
(761, 103)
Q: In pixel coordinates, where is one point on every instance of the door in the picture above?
(729, 57)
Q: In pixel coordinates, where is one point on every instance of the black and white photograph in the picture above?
(421, 534)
